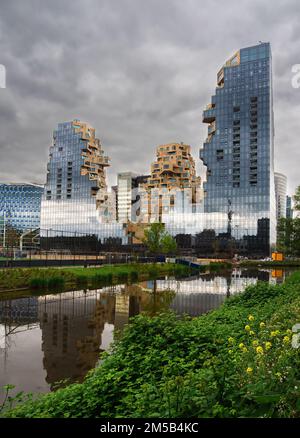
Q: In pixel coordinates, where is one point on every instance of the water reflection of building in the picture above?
(130, 301)
(193, 304)
(208, 284)
(72, 325)
(200, 295)
(21, 311)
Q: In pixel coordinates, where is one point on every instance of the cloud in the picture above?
(139, 71)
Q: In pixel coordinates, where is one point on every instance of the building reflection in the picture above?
(76, 326)
(72, 325)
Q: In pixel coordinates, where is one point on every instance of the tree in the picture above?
(159, 241)
(169, 244)
(12, 236)
(288, 237)
(285, 232)
(297, 199)
(288, 231)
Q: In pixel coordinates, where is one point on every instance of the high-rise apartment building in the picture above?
(289, 207)
(281, 194)
(128, 196)
(239, 150)
(173, 186)
(20, 206)
(76, 199)
(174, 167)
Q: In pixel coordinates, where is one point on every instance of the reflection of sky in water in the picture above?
(55, 337)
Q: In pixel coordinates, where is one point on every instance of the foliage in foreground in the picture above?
(236, 361)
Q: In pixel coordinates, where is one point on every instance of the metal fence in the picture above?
(36, 247)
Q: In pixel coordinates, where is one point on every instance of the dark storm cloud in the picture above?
(139, 71)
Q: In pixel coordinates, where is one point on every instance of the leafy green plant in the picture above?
(38, 283)
(82, 280)
(134, 276)
(57, 283)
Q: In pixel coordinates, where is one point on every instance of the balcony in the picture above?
(212, 128)
(220, 78)
(209, 115)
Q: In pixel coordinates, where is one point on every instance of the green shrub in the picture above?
(81, 280)
(153, 272)
(56, 283)
(102, 278)
(122, 276)
(134, 276)
(38, 283)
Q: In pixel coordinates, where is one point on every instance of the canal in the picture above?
(58, 337)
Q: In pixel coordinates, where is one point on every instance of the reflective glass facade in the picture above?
(128, 203)
(76, 201)
(239, 151)
(281, 194)
(20, 205)
(289, 207)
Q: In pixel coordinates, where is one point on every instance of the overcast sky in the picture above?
(139, 71)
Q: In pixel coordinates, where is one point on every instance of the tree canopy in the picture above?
(158, 240)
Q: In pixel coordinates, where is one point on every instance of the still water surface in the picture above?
(49, 338)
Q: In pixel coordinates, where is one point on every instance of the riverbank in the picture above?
(270, 264)
(61, 278)
(237, 361)
(23, 279)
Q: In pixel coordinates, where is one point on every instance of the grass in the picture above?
(271, 263)
(219, 266)
(46, 278)
(236, 361)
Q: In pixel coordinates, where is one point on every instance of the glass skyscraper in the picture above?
(20, 206)
(289, 207)
(239, 151)
(76, 201)
(281, 194)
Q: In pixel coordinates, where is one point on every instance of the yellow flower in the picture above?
(241, 345)
(286, 340)
(249, 370)
(255, 343)
(268, 345)
(289, 331)
(247, 328)
(252, 333)
(275, 333)
(244, 350)
(259, 350)
(231, 340)
(230, 351)
(262, 325)
(251, 318)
